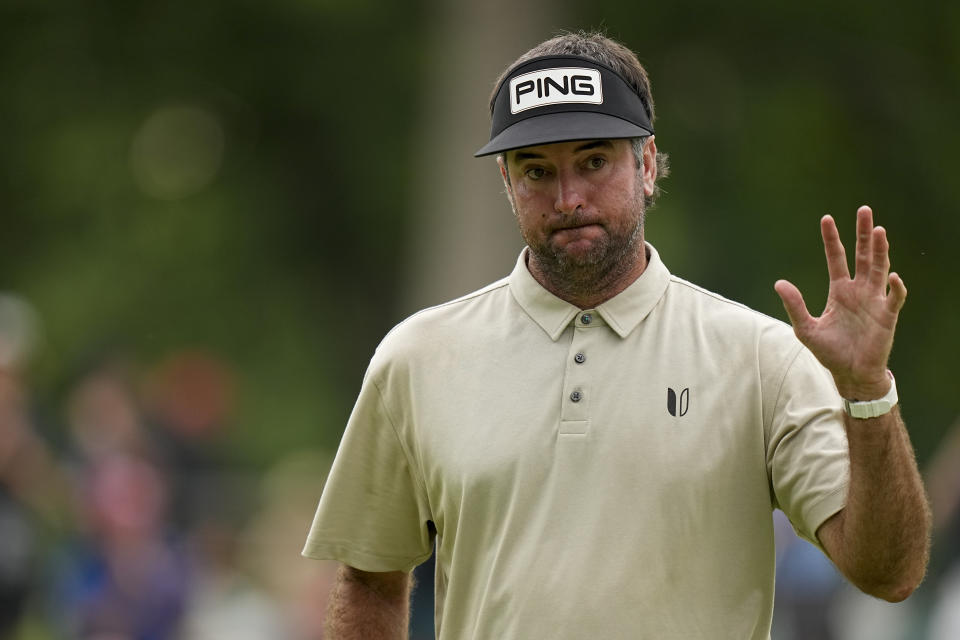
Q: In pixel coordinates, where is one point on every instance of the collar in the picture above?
(622, 313)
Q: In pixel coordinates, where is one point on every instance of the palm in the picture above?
(854, 334)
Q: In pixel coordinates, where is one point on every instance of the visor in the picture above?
(560, 98)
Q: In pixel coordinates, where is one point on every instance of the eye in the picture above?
(596, 162)
(535, 173)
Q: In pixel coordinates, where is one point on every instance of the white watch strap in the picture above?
(873, 408)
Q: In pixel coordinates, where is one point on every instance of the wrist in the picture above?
(864, 391)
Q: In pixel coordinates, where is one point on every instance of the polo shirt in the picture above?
(600, 473)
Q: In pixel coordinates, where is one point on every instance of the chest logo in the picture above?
(678, 405)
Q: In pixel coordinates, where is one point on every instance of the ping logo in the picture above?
(678, 408)
(555, 86)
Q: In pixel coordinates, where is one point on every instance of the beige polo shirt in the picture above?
(607, 473)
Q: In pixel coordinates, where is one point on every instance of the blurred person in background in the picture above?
(245, 584)
(104, 415)
(125, 578)
(595, 446)
(189, 399)
(125, 573)
(32, 493)
(286, 495)
(226, 601)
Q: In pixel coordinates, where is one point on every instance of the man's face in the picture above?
(580, 207)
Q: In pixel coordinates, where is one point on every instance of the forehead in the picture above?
(561, 149)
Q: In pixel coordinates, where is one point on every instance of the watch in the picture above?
(873, 408)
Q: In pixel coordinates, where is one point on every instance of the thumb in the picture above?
(796, 308)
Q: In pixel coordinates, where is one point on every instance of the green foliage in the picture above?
(212, 174)
(235, 176)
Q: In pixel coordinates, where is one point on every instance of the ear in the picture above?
(649, 166)
(501, 162)
(507, 187)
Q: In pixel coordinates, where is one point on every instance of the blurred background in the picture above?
(211, 212)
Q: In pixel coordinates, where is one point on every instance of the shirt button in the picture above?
(580, 358)
(576, 396)
(586, 318)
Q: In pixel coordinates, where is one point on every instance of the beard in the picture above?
(605, 261)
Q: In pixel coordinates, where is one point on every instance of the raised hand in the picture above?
(854, 334)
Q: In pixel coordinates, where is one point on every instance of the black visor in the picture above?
(562, 98)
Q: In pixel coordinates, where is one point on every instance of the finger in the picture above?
(796, 308)
(864, 254)
(880, 264)
(833, 248)
(897, 295)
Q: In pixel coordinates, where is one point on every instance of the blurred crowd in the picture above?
(123, 518)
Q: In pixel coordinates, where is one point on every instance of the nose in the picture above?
(570, 194)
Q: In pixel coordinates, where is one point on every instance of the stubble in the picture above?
(574, 276)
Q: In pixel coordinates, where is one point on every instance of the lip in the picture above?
(576, 227)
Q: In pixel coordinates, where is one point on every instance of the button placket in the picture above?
(575, 402)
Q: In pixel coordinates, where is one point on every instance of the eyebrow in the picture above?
(593, 144)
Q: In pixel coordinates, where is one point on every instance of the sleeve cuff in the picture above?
(360, 559)
(820, 512)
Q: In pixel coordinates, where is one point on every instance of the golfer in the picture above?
(595, 446)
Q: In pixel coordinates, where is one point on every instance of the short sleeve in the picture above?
(373, 514)
(807, 455)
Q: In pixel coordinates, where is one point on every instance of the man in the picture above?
(596, 446)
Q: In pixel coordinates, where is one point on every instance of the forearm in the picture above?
(366, 606)
(884, 530)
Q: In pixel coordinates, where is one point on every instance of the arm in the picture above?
(369, 606)
(880, 540)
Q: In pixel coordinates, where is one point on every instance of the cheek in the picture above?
(529, 202)
(628, 188)
(521, 192)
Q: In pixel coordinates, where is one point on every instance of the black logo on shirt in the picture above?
(673, 407)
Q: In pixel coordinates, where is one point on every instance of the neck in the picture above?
(584, 288)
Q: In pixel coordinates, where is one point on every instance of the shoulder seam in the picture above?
(415, 470)
(789, 361)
